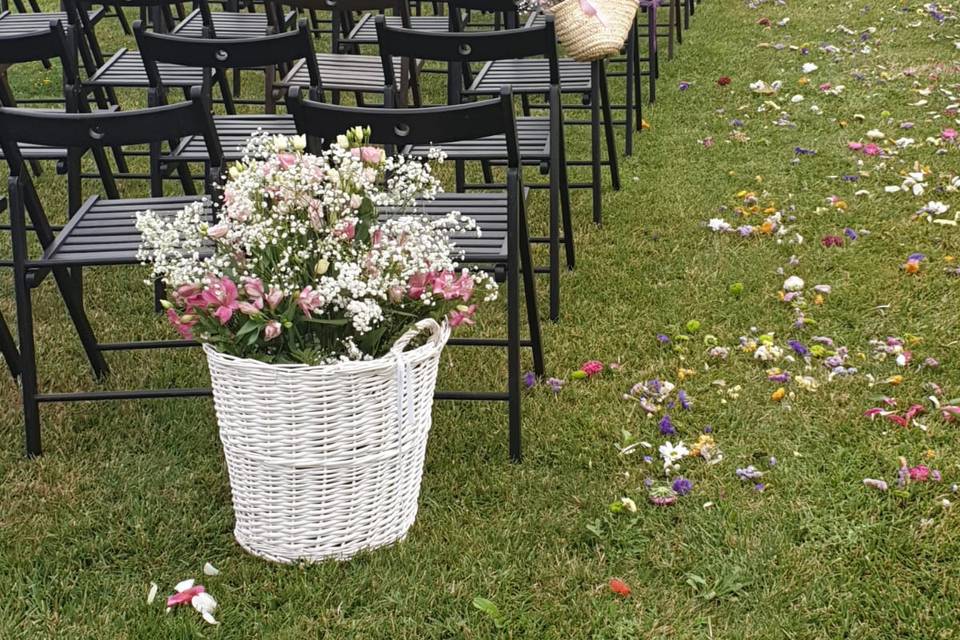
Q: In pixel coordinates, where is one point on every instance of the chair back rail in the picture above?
(459, 49)
(226, 53)
(398, 128)
(85, 130)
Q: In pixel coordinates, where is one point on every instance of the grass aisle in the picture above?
(133, 493)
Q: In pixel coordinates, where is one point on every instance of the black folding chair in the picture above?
(504, 246)
(350, 34)
(125, 68)
(541, 140)
(101, 232)
(52, 41)
(214, 57)
(353, 73)
(530, 77)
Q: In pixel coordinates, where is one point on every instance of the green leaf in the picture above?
(249, 325)
(333, 322)
(491, 609)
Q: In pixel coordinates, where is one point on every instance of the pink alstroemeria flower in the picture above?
(274, 297)
(253, 287)
(949, 134)
(465, 286)
(183, 325)
(445, 285)
(309, 300)
(272, 330)
(418, 284)
(462, 315)
(871, 149)
(221, 295)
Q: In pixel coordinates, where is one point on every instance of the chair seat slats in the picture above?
(365, 31)
(343, 72)
(125, 69)
(530, 75)
(228, 24)
(103, 232)
(533, 141)
(233, 131)
(20, 23)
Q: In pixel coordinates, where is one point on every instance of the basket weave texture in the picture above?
(326, 461)
(585, 37)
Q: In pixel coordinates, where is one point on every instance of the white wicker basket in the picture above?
(326, 461)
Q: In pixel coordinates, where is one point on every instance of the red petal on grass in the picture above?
(619, 587)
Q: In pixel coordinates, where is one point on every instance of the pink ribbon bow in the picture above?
(590, 10)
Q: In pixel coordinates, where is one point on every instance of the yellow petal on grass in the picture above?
(778, 395)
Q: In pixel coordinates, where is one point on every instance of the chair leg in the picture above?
(678, 20)
(631, 85)
(612, 155)
(563, 177)
(554, 236)
(528, 270)
(8, 349)
(595, 141)
(28, 370)
(513, 339)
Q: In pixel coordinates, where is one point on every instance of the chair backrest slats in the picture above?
(225, 53)
(468, 47)
(109, 128)
(401, 127)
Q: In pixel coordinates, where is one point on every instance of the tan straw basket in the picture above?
(326, 461)
(592, 37)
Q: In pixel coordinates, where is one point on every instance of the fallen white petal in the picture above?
(152, 595)
(183, 585)
(209, 617)
(210, 570)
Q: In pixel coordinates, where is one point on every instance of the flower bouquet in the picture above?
(305, 298)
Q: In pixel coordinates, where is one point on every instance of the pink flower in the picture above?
(272, 330)
(418, 284)
(462, 315)
(444, 284)
(855, 146)
(949, 134)
(372, 155)
(871, 149)
(217, 231)
(253, 287)
(221, 295)
(185, 596)
(273, 298)
(309, 300)
(465, 286)
(287, 160)
(920, 473)
(826, 86)
(592, 368)
(183, 325)
(347, 231)
(189, 295)
(251, 308)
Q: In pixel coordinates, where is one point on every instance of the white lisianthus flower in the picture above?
(793, 283)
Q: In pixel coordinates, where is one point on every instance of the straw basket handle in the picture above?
(427, 324)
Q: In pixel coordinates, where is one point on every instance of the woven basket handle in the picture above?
(427, 324)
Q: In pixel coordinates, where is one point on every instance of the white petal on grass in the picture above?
(210, 570)
(152, 594)
(206, 604)
(184, 585)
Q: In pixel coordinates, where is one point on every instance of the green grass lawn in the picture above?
(130, 493)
